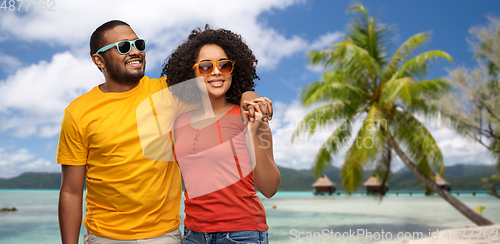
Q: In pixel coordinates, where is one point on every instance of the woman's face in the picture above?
(216, 83)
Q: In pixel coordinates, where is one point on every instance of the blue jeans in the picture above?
(228, 237)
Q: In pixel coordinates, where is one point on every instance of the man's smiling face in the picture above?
(127, 68)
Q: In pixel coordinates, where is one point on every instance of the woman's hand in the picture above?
(263, 103)
(259, 116)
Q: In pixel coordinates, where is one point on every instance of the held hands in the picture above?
(262, 112)
(262, 105)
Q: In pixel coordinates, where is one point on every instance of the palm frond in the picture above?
(346, 54)
(367, 33)
(415, 96)
(314, 92)
(419, 142)
(404, 52)
(323, 56)
(351, 174)
(333, 87)
(399, 89)
(423, 165)
(383, 165)
(370, 139)
(357, 63)
(358, 8)
(333, 145)
(364, 149)
(418, 66)
(323, 116)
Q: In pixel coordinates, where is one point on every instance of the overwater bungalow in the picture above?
(442, 183)
(374, 186)
(324, 185)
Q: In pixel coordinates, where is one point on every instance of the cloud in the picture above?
(37, 165)
(325, 40)
(34, 98)
(14, 163)
(8, 63)
(316, 68)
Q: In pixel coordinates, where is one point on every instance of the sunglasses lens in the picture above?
(225, 67)
(140, 45)
(205, 68)
(124, 47)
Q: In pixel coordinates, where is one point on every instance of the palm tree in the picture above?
(364, 82)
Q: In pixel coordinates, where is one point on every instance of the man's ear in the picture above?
(99, 61)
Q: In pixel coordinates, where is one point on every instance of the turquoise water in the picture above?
(296, 215)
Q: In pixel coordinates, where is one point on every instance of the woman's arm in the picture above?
(266, 175)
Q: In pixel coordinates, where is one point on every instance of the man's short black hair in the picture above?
(97, 39)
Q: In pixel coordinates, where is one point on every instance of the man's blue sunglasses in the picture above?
(125, 46)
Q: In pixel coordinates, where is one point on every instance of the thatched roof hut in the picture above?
(324, 185)
(441, 182)
(374, 185)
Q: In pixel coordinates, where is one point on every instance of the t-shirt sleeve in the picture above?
(183, 107)
(71, 149)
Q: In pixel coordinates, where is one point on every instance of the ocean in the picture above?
(293, 217)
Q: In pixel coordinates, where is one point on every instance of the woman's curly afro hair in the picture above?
(179, 65)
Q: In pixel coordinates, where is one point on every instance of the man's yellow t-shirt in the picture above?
(124, 139)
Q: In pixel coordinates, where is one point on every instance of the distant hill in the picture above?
(461, 177)
(32, 180)
(295, 180)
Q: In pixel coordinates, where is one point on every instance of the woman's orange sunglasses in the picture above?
(206, 68)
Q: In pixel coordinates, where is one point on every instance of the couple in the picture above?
(134, 192)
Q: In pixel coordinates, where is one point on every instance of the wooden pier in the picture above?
(412, 193)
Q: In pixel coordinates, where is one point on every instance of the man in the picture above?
(130, 195)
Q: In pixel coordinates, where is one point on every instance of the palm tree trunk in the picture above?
(388, 159)
(458, 205)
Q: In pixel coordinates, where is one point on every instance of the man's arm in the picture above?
(70, 202)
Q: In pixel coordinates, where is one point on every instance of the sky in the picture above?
(45, 62)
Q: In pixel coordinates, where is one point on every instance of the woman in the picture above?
(222, 159)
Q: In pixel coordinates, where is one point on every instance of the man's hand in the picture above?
(251, 101)
(259, 105)
(258, 116)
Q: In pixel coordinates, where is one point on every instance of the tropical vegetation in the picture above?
(472, 108)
